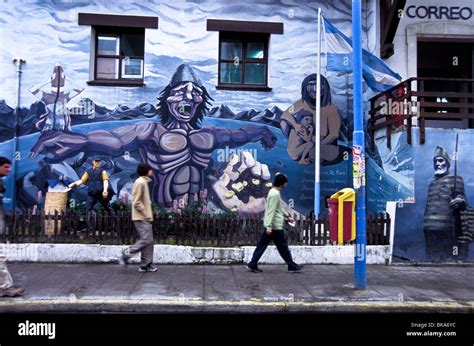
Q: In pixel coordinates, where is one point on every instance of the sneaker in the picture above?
(253, 270)
(151, 268)
(147, 269)
(296, 269)
(123, 261)
(12, 292)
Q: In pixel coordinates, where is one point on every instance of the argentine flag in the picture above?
(378, 76)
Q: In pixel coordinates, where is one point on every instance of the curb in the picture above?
(13, 305)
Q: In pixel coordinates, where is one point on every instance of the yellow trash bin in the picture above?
(342, 216)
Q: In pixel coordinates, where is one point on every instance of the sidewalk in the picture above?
(230, 288)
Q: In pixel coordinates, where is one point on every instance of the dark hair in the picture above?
(280, 180)
(4, 160)
(143, 169)
(325, 91)
(165, 114)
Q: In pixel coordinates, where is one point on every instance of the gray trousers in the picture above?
(144, 245)
(5, 277)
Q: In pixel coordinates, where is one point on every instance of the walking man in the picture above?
(6, 282)
(273, 222)
(142, 217)
(98, 187)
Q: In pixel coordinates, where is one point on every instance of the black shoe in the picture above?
(296, 269)
(253, 270)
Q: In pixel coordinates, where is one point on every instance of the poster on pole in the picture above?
(358, 166)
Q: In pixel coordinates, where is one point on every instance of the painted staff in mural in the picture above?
(297, 124)
(178, 149)
(445, 197)
(56, 117)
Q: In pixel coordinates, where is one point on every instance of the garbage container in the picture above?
(342, 216)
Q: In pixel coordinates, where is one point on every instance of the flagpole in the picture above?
(358, 150)
(317, 144)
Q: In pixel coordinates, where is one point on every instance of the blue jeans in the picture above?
(278, 237)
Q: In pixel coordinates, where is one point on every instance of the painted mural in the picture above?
(223, 147)
(439, 226)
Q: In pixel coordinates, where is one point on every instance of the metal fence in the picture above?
(193, 229)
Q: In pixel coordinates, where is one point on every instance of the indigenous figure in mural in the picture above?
(178, 149)
(297, 124)
(56, 117)
(446, 199)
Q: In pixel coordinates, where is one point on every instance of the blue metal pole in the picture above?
(360, 265)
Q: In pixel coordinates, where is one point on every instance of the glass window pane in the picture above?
(231, 73)
(254, 73)
(108, 45)
(132, 68)
(231, 50)
(255, 50)
(107, 68)
(132, 45)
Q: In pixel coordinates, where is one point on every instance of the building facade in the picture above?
(219, 97)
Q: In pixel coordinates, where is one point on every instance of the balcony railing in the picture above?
(423, 99)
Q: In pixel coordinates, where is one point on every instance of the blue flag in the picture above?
(378, 76)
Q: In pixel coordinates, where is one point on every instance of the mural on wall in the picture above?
(298, 126)
(177, 148)
(56, 117)
(442, 218)
(226, 153)
(390, 173)
(439, 226)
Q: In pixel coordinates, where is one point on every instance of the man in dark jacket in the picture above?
(445, 200)
(98, 187)
(6, 282)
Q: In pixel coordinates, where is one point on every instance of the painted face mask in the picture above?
(440, 166)
(183, 101)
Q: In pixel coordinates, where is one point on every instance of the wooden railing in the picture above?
(192, 230)
(415, 97)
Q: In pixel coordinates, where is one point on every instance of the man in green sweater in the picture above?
(142, 217)
(273, 222)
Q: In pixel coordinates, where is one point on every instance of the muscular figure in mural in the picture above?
(56, 117)
(298, 121)
(445, 200)
(178, 149)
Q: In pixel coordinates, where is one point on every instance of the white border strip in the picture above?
(173, 254)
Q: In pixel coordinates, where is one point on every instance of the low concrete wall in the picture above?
(173, 254)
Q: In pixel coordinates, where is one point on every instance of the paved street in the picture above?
(192, 288)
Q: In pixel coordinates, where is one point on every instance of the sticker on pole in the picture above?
(358, 166)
